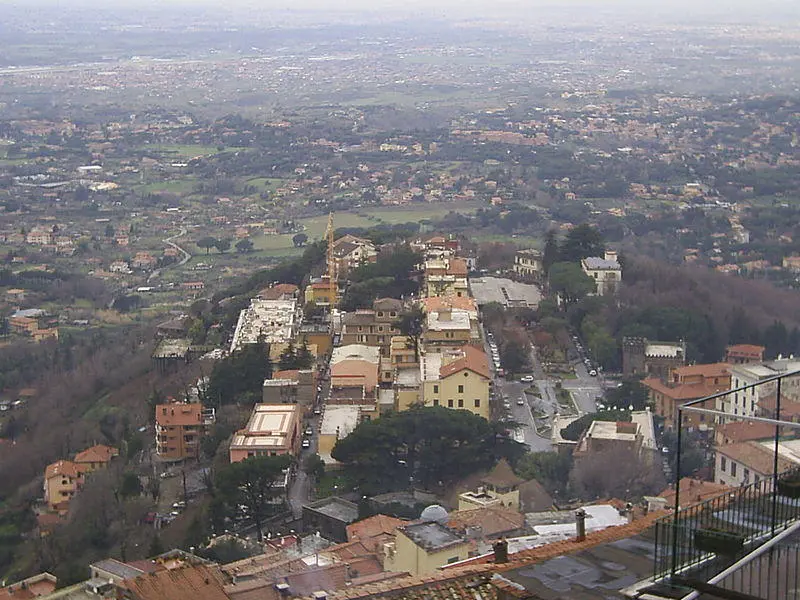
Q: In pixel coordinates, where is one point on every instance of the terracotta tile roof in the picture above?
(373, 526)
(349, 550)
(534, 498)
(745, 349)
(743, 431)
(277, 291)
(473, 359)
(178, 414)
(682, 391)
(62, 467)
(199, 582)
(693, 491)
(789, 408)
(293, 374)
(493, 521)
(97, 453)
(754, 456)
(436, 303)
(707, 370)
(502, 476)
(457, 267)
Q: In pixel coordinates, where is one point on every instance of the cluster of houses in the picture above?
(63, 479)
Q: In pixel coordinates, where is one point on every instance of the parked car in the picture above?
(526, 378)
(520, 402)
(306, 444)
(308, 431)
(593, 372)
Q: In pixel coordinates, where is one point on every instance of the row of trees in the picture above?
(224, 244)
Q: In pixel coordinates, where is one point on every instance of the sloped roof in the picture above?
(533, 497)
(502, 475)
(693, 491)
(199, 582)
(372, 526)
(493, 520)
(754, 456)
(62, 467)
(473, 359)
(681, 391)
(178, 414)
(720, 369)
(745, 431)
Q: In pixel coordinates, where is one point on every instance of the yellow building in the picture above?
(500, 487)
(318, 292)
(421, 548)
(457, 379)
(62, 480)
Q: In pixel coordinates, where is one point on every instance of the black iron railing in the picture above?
(698, 544)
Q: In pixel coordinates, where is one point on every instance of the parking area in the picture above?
(504, 291)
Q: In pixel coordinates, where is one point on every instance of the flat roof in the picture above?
(343, 419)
(336, 508)
(431, 536)
(458, 319)
(430, 366)
(504, 291)
(355, 352)
(269, 426)
(274, 320)
(608, 430)
(664, 349)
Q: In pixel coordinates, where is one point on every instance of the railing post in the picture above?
(677, 495)
(775, 458)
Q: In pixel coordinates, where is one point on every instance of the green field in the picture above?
(175, 186)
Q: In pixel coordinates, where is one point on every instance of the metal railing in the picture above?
(697, 543)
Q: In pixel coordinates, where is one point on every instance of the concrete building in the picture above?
(450, 328)
(683, 385)
(637, 435)
(330, 516)
(740, 354)
(606, 272)
(294, 386)
(274, 321)
(458, 379)
(748, 402)
(355, 365)
(652, 359)
(528, 264)
(446, 276)
(350, 252)
(339, 421)
(179, 429)
(273, 429)
(373, 327)
(748, 462)
(422, 548)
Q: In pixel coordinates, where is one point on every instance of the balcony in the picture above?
(741, 544)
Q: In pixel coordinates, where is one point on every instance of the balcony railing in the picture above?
(744, 543)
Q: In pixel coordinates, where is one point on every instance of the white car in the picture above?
(526, 379)
(306, 444)
(593, 373)
(520, 402)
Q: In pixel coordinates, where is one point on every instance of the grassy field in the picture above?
(175, 186)
(268, 183)
(187, 150)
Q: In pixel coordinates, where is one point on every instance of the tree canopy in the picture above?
(422, 446)
(240, 376)
(569, 281)
(247, 487)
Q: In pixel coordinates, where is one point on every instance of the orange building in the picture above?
(683, 385)
(96, 457)
(62, 480)
(273, 430)
(179, 427)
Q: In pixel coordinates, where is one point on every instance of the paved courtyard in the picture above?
(504, 291)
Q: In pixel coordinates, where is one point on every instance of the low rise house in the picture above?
(740, 354)
(606, 272)
(350, 252)
(450, 328)
(373, 327)
(636, 435)
(748, 401)
(62, 480)
(94, 458)
(499, 487)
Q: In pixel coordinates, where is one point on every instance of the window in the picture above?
(436, 402)
(393, 313)
(460, 403)
(461, 389)
(733, 469)
(435, 389)
(746, 475)
(450, 403)
(477, 402)
(450, 561)
(380, 313)
(723, 464)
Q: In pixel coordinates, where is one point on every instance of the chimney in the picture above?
(580, 524)
(500, 548)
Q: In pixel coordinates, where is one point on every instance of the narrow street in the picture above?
(169, 241)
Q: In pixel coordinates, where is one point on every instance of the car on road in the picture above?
(317, 411)
(308, 431)
(306, 444)
(521, 402)
(592, 372)
(507, 405)
(526, 379)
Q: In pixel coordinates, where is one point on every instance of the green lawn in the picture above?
(175, 186)
(188, 150)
